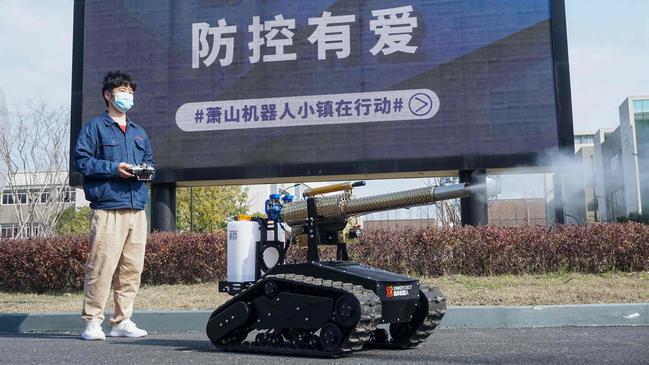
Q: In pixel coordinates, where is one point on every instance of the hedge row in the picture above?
(58, 263)
(495, 250)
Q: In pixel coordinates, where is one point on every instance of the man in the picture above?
(107, 147)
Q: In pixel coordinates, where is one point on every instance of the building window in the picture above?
(11, 230)
(614, 162)
(615, 203)
(22, 196)
(46, 197)
(640, 106)
(584, 140)
(618, 198)
(7, 197)
(7, 231)
(68, 195)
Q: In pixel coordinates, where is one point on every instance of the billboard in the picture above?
(276, 90)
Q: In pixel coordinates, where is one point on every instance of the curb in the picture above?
(575, 315)
(456, 317)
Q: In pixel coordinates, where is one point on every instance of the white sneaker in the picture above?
(93, 331)
(127, 328)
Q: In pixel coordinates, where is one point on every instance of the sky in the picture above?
(36, 51)
(608, 46)
(608, 43)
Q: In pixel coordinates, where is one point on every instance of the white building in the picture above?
(577, 188)
(31, 196)
(622, 158)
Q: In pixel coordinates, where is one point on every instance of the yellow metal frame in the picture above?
(328, 189)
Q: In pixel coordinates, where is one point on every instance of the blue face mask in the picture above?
(123, 101)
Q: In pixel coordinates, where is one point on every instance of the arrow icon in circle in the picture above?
(420, 104)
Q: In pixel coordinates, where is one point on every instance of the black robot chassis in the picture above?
(294, 310)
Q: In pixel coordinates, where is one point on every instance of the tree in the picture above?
(447, 212)
(74, 221)
(634, 217)
(211, 206)
(34, 153)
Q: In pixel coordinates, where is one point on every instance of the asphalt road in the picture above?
(576, 345)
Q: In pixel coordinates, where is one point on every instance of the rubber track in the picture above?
(370, 316)
(436, 311)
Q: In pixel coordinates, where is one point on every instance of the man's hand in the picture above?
(122, 170)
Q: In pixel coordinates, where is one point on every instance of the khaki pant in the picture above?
(116, 254)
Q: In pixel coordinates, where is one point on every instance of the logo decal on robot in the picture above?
(397, 291)
(389, 291)
(232, 235)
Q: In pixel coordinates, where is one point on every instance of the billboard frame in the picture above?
(286, 171)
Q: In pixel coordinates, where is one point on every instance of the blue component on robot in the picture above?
(275, 203)
(274, 206)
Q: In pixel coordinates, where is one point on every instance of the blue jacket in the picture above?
(101, 146)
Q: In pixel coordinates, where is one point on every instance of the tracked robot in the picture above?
(321, 308)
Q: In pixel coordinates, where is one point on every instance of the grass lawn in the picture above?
(560, 288)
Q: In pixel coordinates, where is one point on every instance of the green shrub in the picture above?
(634, 217)
(74, 221)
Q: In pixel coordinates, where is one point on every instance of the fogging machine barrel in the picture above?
(339, 206)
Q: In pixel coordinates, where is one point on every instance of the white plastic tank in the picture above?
(242, 250)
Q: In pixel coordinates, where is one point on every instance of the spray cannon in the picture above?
(327, 218)
(342, 206)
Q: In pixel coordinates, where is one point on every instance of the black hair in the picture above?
(115, 79)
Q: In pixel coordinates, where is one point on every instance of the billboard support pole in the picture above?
(559, 204)
(163, 207)
(76, 102)
(473, 209)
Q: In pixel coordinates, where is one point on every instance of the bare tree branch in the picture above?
(34, 156)
(446, 212)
